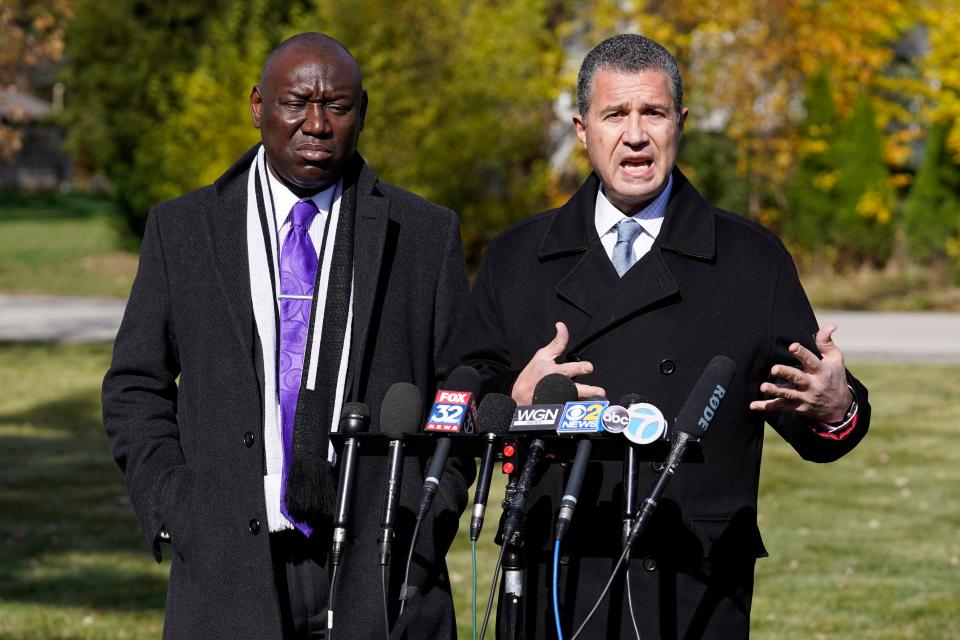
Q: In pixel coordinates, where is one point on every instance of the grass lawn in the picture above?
(62, 245)
(865, 548)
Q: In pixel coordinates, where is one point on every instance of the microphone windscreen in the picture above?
(629, 399)
(463, 378)
(401, 410)
(354, 418)
(706, 396)
(555, 388)
(495, 413)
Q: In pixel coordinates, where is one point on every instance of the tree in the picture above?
(31, 36)
(122, 57)
(932, 210)
(811, 191)
(862, 229)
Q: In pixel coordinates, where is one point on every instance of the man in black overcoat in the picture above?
(633, 286)
(194, 402)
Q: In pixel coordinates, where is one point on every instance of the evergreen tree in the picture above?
(862, 228)
(811, 192)
(932, 210)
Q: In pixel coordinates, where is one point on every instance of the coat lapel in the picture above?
(591, 284)
(370, 235)
(227, 228)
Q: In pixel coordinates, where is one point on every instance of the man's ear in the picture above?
(256, 105)
(581, 127)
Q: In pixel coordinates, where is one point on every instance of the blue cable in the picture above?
(556, 604)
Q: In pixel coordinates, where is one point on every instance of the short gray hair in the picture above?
(628, 53)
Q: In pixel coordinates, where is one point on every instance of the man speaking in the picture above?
(264, 303)
(633, 286)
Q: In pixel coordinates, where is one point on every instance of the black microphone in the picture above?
(493, 420)
(354, 418)
(572, 491)
(400, 413)
(569, 501)
(631, 470)
(695, 416)
(555, 388)
(463, 378)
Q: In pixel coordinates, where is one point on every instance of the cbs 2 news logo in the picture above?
(582, 416)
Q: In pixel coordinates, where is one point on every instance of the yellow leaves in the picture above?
(901, 180)
(876, 204)
(826, 180)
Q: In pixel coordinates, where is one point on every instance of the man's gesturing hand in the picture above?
(819, 392)
(543, 363)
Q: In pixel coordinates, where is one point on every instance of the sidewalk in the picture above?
(59, 319)
(862, 335)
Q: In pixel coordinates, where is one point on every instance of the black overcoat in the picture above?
(183, 407)
(713, 283)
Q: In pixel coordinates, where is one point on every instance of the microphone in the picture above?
(549, 397)
(462, 379)
(354, 418)
(631, 470)
(577, 470)
(555, 388)
(569, 501)
(399, 414)
(493, 420)
(695, 416)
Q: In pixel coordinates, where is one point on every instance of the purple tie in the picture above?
(298, 272)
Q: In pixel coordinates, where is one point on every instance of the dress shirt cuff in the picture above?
(839, 430)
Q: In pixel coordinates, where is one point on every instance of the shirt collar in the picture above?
(284, 199)
(607, 216)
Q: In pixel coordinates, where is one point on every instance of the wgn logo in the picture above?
(647, 423)
(582, 416)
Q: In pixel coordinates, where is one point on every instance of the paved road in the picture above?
(902, 337)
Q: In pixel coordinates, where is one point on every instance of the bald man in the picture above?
(265, 302)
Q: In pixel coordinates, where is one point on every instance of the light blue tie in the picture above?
(623, 257)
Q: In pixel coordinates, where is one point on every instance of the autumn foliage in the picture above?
(835, 122)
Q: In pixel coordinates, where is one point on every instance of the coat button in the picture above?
(649, 564)
(254, 526)
(564, 559)
(248, 439)
(667, 367)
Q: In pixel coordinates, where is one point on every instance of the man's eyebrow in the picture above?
(625, 105)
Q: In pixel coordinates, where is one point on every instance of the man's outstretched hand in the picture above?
(819, 391)
(543, 363)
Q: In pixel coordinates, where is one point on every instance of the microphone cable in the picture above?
(556, 600)
(603, 594)
(493, 589)
(386, 608)
(633, 616)
(406, 571)
(473, 590)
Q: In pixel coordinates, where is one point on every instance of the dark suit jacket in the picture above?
(713, 283)
(183, 407)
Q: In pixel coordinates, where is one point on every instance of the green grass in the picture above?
(863, 548)
(62, 245)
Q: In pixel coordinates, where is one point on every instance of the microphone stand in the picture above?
(510, 618)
